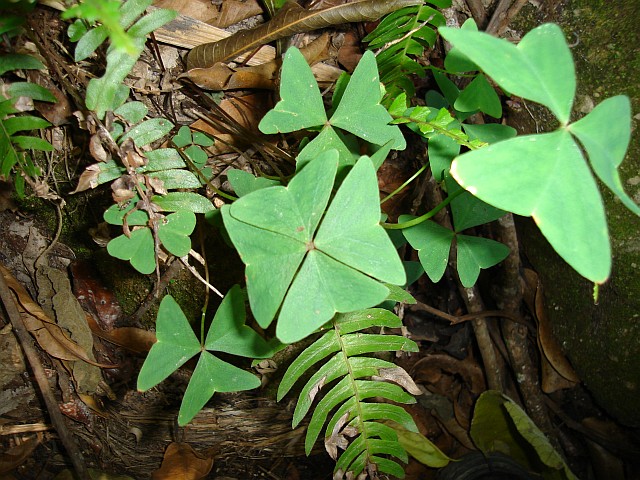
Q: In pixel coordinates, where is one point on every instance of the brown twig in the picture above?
(471, 316)
(503, 14)
(478, 12)
(515, 335)
(57, 418)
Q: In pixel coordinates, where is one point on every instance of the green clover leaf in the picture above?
(177, 343)
(539, 68)
(138, 249)
(605, 135)
(358, 112)
(479, 95)
(544, 177)
(301, 105)
(174, 232)
(310, 275)
(244, 183)
(433, 243)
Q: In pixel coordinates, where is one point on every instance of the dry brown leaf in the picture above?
(181, 462)
(15, 456)
(557, 373)
(290, 19)
(202, 10)
(58, 301)
(57, 113)
(338, 438)
(350, 53)
(316, 388)
(400, 376)
(433, 368)
(549, 344)
(49, 335)
(552, 381)
(88, 178)
(134, 339)
(222, 77)
(234, 11)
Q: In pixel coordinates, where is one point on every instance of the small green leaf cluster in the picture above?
(120, 22)
(165, 169)
(15, 141)
(445, 135)
(402, 37)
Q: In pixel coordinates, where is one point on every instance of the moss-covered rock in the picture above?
(603, 340)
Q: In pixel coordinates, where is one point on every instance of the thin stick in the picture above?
(503, 14)
(478, 12)
(515, 336)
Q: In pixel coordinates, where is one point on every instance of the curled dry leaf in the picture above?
(234, 11)
(338, 437)
(97, 150)
(291, 19)
(16, 456)
(202, 10)
(58, 112)
(246, 111)
(400, 376)
(123, 188)
(316, 388)
(131, 156)
(557, 372)
(350, 52)
(49, 335)
(222, 77)
(133, 339)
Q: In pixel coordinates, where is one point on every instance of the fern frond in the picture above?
(14, 156)
(402, 37)
(354, 380)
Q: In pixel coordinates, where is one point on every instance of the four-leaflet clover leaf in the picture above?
(177, 343)
(308, 264)
(359, 111)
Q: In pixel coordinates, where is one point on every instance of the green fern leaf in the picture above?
(354, 380)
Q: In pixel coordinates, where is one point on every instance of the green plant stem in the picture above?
(201, 176)
(411, 179)
(426, 216)
(441, 130)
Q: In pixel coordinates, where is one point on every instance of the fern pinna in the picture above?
(357, 380)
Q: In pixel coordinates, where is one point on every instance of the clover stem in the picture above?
(411, 179)
(202, 178)
(426, 216)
